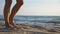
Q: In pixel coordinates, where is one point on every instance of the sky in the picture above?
(36, 7)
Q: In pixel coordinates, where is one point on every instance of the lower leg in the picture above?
(13, 12)
(7, 12)
(6, 16)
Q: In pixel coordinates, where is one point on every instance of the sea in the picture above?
(34, 20)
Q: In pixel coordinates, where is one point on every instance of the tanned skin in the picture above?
(9, 16)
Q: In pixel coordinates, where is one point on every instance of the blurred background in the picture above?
(35, 11)
(36, 7)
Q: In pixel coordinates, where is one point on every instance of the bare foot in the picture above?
(13, 26)
(7, 25)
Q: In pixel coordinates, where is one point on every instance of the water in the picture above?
(35, 19)
(43, 19)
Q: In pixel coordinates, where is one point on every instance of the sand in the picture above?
(30, 29)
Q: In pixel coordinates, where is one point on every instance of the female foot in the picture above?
(13, 26)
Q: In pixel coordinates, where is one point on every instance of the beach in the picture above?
(30, 29)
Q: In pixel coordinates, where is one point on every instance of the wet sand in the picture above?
(30, 29)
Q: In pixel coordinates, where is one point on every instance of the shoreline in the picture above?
(31, 29)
